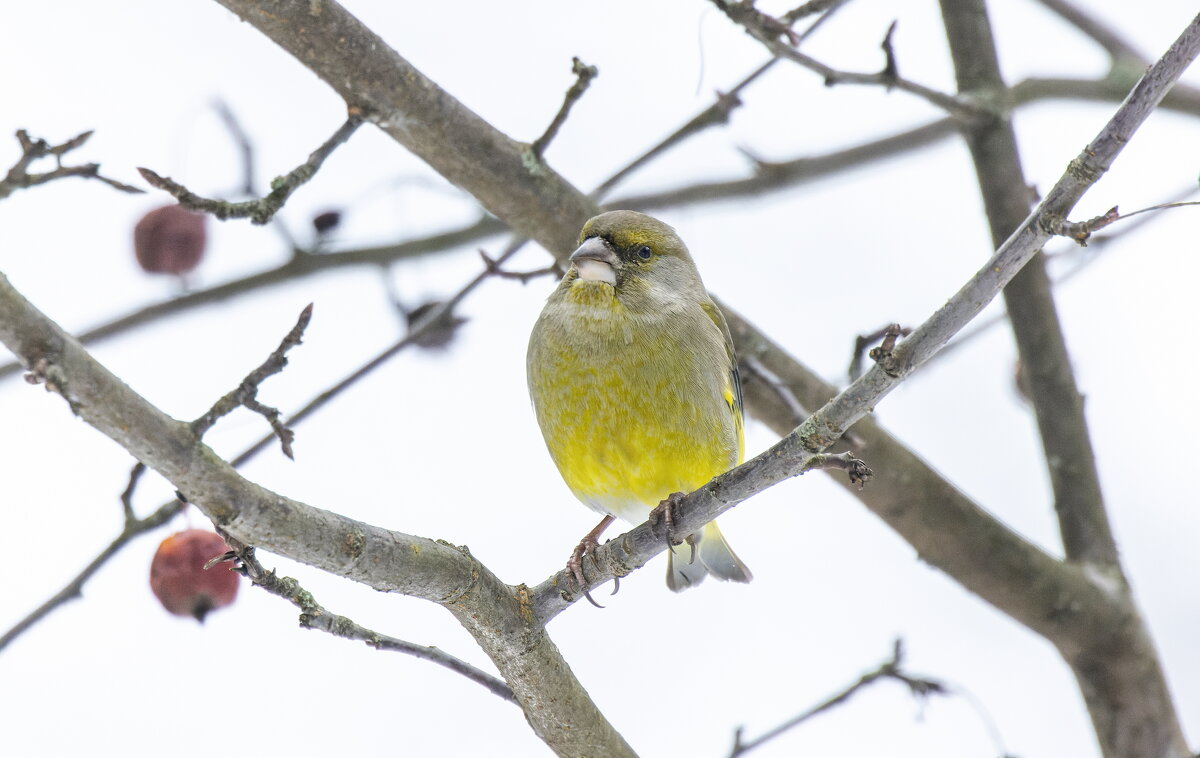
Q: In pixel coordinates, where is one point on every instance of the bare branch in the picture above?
(771, 177)
(1081, 231)
(557, 707)
(524, 277)
(33, 149)
(766, 30)
(313, 615)
(135, 476)
(1103, 35)
(246, 394)
(920, 687)
(856, 469)
(416, 334)
(74, 588)
(808, 9)
(262, 210)
(890, 69)
(584, 75)
(1151, 727)
(242, 140)
(888, 334)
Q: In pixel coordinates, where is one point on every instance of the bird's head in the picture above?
(639, 256)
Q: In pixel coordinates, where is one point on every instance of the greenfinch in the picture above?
(635, 387)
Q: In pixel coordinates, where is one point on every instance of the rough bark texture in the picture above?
(555, 703)
(1116, 666)
(1083, 609)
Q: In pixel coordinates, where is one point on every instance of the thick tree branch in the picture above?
(1125, 690)
(135, 527)
(63, 361)
(1057, 402)
(497, 616)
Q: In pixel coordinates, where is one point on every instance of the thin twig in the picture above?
(584, 74)
(74, 588)
(891, 70)
(1103, 35)
(752, 367)
(430, 321)
(524, 277)
(33, 149)
(244, 144)
(1081, 231)
(888, 334)
(246, 394)
(857, 470)
(808, 9)
(313, 615)
(920, 687)
(135, 475)
(262, 210)
(714, 115)
(765, 29)
(1084, 261)
(722, 108)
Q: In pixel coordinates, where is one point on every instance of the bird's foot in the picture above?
(587, 546)
(665, 512)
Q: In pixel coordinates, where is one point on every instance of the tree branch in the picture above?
(769, 177)
(1117, 48)
(1111, 683)
(497, 616)
(41, 345)
(767, 30)
(313, 615)
(1056, 400)
(584, 75)
(34, 149)
(134, 527)
(890, 669)
(1043, 613)
(262, 210)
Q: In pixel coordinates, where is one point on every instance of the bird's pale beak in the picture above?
(595, 262)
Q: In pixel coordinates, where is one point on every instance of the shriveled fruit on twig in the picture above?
(170, 240)
(180, 581)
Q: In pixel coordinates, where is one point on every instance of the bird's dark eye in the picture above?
(644, 252)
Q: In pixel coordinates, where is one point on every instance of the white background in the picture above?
(445, 446)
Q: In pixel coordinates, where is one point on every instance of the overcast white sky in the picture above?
(445, 446)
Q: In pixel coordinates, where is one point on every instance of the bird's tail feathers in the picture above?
(713, 556)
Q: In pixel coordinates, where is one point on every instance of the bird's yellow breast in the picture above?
(633, 407)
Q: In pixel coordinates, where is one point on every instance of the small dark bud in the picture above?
(327, 221)
(170, 240)
(440, 333)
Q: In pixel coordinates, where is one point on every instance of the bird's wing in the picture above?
(733, 393)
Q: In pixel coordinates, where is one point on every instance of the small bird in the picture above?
(634, 383)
